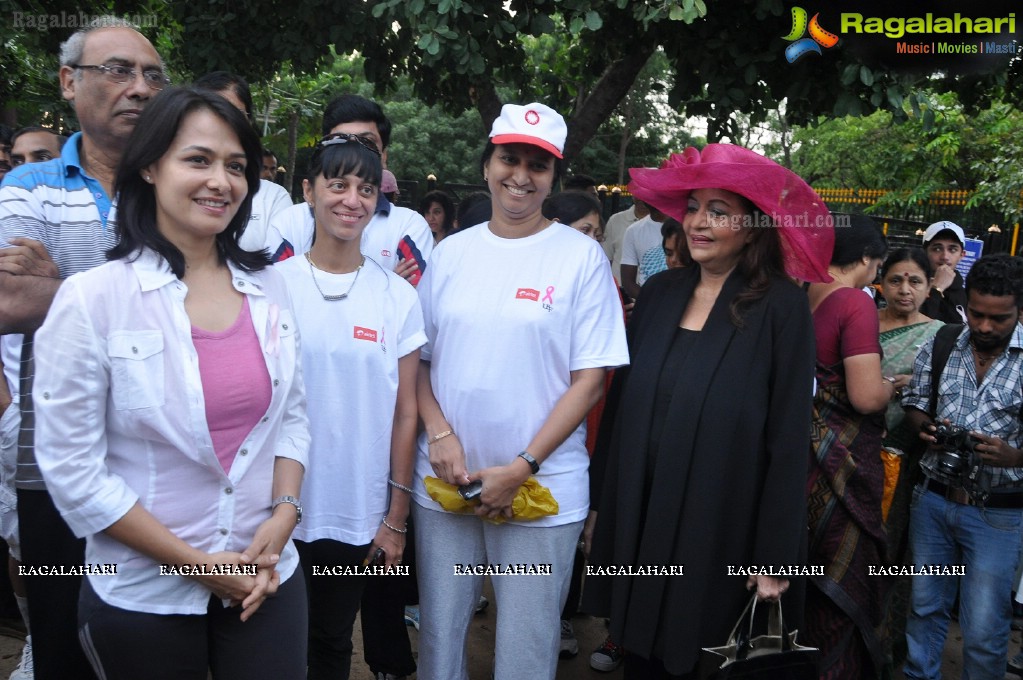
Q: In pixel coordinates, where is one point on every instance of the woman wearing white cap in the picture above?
(522, 320)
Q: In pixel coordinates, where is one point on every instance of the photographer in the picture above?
(969, 509)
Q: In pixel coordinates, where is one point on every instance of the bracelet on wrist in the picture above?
(396, 485)
(394, 528)
(437, 437)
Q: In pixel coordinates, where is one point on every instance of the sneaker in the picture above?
(569, 645)
(412, 616)
(607, 657)
(482, 604)
(1015, 664)
(25, 669)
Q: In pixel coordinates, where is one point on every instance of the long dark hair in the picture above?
(136, 199)
(446, 204)
(760, 263)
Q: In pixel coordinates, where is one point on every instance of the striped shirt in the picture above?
(991, 408)
(67, 211)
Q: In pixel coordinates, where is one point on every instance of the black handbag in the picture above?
(775, 656)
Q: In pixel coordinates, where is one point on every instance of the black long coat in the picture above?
(729, 482)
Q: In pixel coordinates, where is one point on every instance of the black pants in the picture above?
(333, 604)
(46, 541)
(129, 645)
(638, 668)
(385, 640)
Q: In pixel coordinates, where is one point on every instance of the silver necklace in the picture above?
(332, 298)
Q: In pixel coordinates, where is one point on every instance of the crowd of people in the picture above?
(232, 423)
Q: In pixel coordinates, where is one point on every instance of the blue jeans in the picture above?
(987, 542)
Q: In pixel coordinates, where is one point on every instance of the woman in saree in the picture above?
(905, 281)
(844, 488)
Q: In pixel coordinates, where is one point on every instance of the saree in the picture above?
(846, 533)
(900, 347)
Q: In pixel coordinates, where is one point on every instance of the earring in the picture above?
(148, 179)
(485, 178)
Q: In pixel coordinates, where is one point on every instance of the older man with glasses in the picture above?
(55, 218)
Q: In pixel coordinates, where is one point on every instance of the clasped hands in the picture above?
(500, 483)
(263, 553)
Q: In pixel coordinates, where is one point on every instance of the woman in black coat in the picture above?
(702, 461)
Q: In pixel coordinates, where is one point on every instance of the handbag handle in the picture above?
(742, 636)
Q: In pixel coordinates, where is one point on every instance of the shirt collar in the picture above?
(1015, 341)
(69, 153)
(154, 272)
(383, 205)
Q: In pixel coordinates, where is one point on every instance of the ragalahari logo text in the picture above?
(801, 46)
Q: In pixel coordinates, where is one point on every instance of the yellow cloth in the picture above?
(532, 501)
(892, 463)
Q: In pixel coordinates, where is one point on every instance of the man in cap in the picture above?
(55, 216)
(945, 242)
(396, 238)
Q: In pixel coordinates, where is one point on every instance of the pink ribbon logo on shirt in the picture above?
(548, 297)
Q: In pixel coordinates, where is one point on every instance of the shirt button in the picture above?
(46, 395)
(229, 491)
(241, 283)
(265, 419)
(223, 532)
(244, 452)
(284, 326)
(276, 382)
(134, 350)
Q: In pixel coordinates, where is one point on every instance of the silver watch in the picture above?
(289, 499)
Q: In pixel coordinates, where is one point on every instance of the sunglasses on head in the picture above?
(345, 138)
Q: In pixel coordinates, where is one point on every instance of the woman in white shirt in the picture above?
(522, 320)
(171, 426)
(362, 327)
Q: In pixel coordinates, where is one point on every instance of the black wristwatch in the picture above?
(533, 465)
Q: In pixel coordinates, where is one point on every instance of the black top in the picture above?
(729, 466)
(943, 306)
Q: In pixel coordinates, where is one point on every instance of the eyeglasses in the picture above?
(344, 138)
(154, 78)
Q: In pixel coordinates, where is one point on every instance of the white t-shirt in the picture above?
(391, 224)
(508, 320)
(614, 236)
(350, 352)
(642, 248)
(269, 200)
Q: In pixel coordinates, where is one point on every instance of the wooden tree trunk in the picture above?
(289, 174)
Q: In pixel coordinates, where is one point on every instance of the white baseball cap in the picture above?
(534, 124)
(945, 225)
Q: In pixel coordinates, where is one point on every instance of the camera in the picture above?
(957, 449)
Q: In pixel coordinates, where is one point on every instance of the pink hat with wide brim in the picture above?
(804, 223)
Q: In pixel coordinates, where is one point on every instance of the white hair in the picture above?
(71, 49)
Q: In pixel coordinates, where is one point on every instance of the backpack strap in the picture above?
(944, 341)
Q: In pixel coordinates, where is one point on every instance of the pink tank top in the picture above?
(235, 383)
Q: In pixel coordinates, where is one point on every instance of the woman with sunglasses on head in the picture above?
(362, 327)
(171, 422)
(522, 321)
